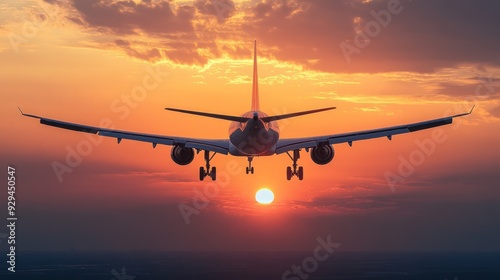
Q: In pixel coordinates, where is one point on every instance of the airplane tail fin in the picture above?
(255, 102)
(255, 84)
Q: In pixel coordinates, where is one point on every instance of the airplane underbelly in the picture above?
(245, 143)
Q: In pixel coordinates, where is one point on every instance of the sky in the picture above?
(381, 63)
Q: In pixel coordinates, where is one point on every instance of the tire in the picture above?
(202, 173)
(300, 173)
(213, 173)
(251, 170)
(288, 173)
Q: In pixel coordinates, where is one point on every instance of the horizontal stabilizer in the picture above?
(210, 115)
(286, 116)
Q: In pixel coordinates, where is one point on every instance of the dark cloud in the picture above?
(426, 35)
(122, 43)
(495, 112)
(423, 37)
(455, 90)
(221, 9)
(129, 17)
(148, 54)
(169, 29)
(483, 89)
(52, 1)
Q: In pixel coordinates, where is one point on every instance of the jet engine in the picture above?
(182, 155)
(322, 154)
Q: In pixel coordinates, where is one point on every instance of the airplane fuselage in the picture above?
(253, 137)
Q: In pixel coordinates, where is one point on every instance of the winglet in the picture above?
(464, 114)
(472, 109)
(27, 115)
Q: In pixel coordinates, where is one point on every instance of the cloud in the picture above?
(148, 55)
(146, 30)
(129, 17)
(495, 112)
(221, 9)
(423, 37)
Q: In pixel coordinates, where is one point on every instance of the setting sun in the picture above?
(264, 196)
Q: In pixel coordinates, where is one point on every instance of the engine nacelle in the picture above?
(322, 154)
(182, 155)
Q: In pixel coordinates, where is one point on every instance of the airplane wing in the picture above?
(213, 145)
(285, 145)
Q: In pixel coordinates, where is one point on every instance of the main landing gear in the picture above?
(297, 170)
(250, 167)
(207, 172)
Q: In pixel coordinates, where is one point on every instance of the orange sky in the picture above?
(79, 63)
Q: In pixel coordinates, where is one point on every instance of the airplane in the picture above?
(253, 134)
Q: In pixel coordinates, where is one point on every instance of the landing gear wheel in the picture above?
(250, 169)
(289, 173)
(294, 169)
(202, 173)
(213, 173)
(300, 173)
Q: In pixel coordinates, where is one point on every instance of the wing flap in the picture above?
(207, 146)
(295, 146)
(365, 135)
(137, 137)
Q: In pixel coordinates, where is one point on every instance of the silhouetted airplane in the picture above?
(252, 134)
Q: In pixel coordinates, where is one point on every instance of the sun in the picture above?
(264, 196)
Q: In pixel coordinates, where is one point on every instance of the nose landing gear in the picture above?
(250, 169)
